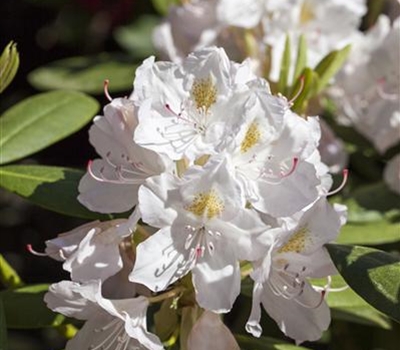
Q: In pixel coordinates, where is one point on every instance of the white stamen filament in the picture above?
(344, 181)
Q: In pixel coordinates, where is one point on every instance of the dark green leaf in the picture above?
(372, 274)
(41, 120)
(3, 328)
(137, 37)
(285, 67)
(264, 343)
(9, 63)
(330, 65)
(86, 74)
(24, 308)
(53, 188)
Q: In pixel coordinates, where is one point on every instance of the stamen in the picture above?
(299, 91)
(106, 92)
(291, 171)
(382, 93)
(34, 252)
(344, 181)
(323, 294)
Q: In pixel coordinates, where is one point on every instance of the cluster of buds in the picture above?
(225, 183)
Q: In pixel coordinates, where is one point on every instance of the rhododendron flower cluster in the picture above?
(220, 174)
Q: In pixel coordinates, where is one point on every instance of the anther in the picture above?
(382, 93)
(106, 92)
(34, 252)
(344, 181)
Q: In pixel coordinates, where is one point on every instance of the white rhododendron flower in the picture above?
(91, 251)
(112, 182)
(110, 324)
(280, 279)
(221, 174)
(368, 89)
(204, 228)
(200, 23)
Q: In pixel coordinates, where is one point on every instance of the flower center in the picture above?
(251, 138)
(296, 243)
(204, 93)
(206, 204)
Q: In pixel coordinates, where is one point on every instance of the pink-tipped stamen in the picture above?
(344, 181)
(293, 168)
(106, 92)
(299, 91)
(382, 93)
(320, 301)
(34, 252)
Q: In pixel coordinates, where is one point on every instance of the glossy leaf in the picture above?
(247, 342)
(370, 233)
(285, 67)
(9, 63)
(24, 308)
(3, 328)
(330, 65)
(86, 74)
(372, 274)
(39, 121)
(137, 37)
(53, 188)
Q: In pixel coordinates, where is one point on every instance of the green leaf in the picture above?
(301, 61)
(347, 305)
(372, 274)
(41, 120)
(370, 233)
(285, 67)
(8, 276)
(3, 328)
(9, 63)
(264, 343)
(86, 74)
(137, 37)
(24, 308)
(53, 188)
(162, 6)
(330, 65)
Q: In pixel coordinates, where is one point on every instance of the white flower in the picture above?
(91, 251)
(204, 228)
(209, 333)
(269, 152)
(186, 110)
(112, 182)
(368, 89)
(110, 324)
(317, 20)
(202, 23)
(280, 279)
(391, 174)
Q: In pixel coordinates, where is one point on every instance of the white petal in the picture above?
(296, 321)
(217, 281)
(159, 262)
(210, 333)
